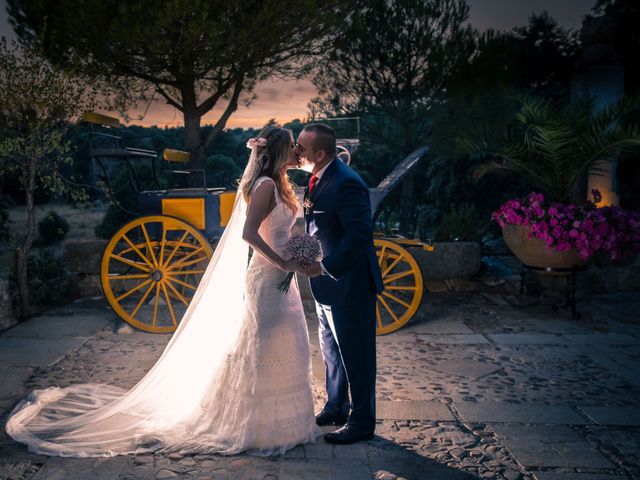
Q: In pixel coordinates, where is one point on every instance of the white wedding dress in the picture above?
(235, 376)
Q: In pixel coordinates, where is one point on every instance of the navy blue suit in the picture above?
(338, 213)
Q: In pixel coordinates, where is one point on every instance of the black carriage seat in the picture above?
(106, 144)
(176, 158)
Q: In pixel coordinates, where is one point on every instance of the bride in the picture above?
(236, 374)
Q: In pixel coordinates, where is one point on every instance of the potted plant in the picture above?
(561, 236)
(552, 149)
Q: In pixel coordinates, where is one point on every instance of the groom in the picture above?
(344, 285)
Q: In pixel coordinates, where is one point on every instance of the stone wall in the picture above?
(83, 258)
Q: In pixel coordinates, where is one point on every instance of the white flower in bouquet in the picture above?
(305, 250)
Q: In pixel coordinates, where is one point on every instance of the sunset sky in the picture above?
(286, 100)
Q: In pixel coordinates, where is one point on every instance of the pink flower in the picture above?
(586, 228)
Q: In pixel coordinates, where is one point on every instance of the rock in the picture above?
(457, 453)
(143, 459)
(162, 474)
(512, 475)
(464, 284)
(383, 475)
(435, 286)
(123, 328)
(172, 455)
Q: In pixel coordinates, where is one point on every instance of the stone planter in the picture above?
(449, 260)
(534, 252)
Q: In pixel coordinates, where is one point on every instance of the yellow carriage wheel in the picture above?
(403, 285)
(150, 270)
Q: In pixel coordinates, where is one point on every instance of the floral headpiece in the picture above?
(257, 142)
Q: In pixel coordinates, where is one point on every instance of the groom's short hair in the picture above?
(325, 137)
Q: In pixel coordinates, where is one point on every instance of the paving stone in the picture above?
(528, 339)
(602, 339)
(412, 410)
(36, 352)
(78, 326)
(57, 468)
(442, 326)
(536, 446)
(297, 470)
(466, 368)
(13, 379)
(524, 413)
(452, 338)
(624, 416)
(577, 476)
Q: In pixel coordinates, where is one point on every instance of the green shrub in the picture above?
(52, 229)
(50, 282)
(461, 223)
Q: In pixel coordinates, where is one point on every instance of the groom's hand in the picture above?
(314, 270)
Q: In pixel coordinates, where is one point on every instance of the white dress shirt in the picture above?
(318, 177)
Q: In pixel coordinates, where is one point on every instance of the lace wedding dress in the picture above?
(234, 377)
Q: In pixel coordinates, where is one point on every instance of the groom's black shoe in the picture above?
(326, 418)
(347, 435)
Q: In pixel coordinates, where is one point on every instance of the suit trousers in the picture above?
(348, 344)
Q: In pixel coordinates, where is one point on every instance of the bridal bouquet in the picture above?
(304, 250)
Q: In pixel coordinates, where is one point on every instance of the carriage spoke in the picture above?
(149, 246)
(133, 290)
(186, 272)
(162, 243)
(115, 276)
(189, 263)
(137, 250)
(397, 276)
(168, 298)
(131, 263)
(180, 297)
(181, 262)
(384, 304)
(400, 287)
(180, 282)
(393, 264)
(396, 299)
(175, 249)
(378, 317)
(144, 297)
(155, 305)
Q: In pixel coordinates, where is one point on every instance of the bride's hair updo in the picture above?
(270, 152)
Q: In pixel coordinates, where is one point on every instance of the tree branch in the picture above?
(222, 121)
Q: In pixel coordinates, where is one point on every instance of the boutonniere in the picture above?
(308, 205)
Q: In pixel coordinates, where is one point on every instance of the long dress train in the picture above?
(235, 376)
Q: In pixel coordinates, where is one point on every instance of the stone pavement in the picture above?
(476, 386)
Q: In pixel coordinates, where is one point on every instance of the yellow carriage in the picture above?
(152, 265)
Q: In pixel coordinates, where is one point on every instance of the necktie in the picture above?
(312, 183)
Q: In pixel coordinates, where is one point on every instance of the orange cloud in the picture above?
(283, 100)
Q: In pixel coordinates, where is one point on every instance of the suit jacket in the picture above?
(338, 213)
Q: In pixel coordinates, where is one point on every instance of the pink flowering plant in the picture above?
(305, 250)
(611, 230)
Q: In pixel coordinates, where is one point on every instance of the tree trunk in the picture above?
(22, 252)
(23, 286)
(193, 140)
